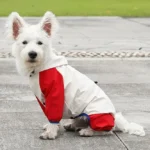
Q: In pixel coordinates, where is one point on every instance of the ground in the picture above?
(22, 119)
(124, 8)
(125, 80)
(94, 34)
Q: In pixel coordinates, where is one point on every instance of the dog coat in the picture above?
(67, 93)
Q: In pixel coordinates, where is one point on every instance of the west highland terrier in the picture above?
(61, 90)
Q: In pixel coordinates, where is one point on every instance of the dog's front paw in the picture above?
(45, 126)
(87, 132)
(48, 135)
(51, 132)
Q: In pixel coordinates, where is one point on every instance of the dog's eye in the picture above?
(24, 42)
(39, 43)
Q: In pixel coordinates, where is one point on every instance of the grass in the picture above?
(126, 8)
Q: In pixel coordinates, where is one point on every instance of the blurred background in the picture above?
(126, 8)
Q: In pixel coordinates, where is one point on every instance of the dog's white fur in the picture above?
(20, 31)
(32, 33)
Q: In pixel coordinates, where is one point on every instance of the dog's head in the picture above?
(32, 43)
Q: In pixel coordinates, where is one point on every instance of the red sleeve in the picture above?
(102, 122)
(52, 86)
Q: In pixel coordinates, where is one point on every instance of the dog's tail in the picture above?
(121, 124)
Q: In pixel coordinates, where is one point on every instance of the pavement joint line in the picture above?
(121, 141)
(91, 54)
(130, 19)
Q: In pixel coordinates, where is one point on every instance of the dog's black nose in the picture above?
(32, 54)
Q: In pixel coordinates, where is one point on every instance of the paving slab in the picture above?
(124, 80)
(22, 120)
(94, 34)
(103, 70)
(143, 21)
(28, 140)
(135, 143)
(21, 105)
(125, 98)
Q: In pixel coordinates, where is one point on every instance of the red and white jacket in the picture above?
(64, 92)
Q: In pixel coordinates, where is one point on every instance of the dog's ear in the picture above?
(49, 23)
(14, 25)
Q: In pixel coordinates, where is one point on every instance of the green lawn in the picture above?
(77, 7)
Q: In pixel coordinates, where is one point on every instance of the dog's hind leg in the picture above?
(121, 124)
(88, 132)
(99, 124)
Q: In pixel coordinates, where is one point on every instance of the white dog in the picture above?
(62, 91)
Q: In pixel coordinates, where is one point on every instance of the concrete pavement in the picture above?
(126, 81)
(95, 34)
